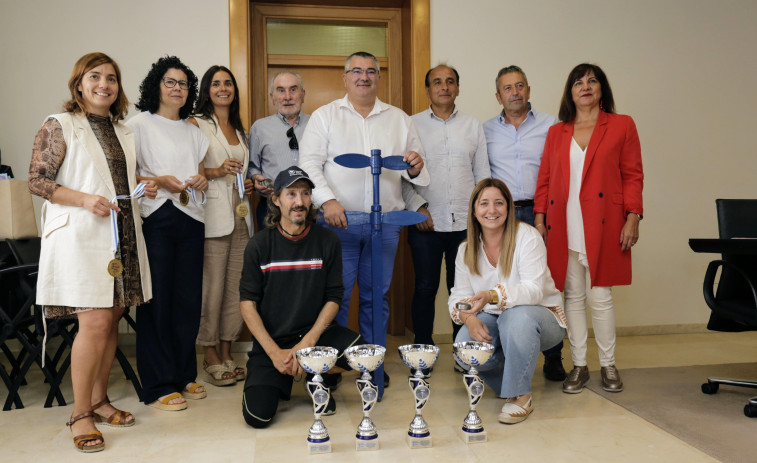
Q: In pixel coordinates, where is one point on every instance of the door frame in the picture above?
(416, 60)
(416, 45)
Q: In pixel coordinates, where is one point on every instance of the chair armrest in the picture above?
(709, 283)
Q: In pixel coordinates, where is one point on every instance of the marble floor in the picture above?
(570, 428)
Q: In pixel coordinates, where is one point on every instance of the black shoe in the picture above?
(332, 380)
(386, 380)
(330, 407)
(426, 372)
(458, 368)
(553, 369)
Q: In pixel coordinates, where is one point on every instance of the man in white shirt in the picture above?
(456, 159)
(274, 139)
(359, 123)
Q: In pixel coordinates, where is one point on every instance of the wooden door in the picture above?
(402, 82)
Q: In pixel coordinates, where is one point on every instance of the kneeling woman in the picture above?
(501, 271)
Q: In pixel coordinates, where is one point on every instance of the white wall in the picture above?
(42, 39)
(684, 69)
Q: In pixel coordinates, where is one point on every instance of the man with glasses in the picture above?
(515, 141)
(456, 159)
(359, 123)
(274, 139)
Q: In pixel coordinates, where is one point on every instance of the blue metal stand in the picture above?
(377, 218)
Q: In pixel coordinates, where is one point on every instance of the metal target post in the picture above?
(377, 218)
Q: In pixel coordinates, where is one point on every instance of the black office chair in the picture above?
(28, 251)
(734, 304)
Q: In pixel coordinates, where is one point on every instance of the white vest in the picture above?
(75, 242)
(219, 213)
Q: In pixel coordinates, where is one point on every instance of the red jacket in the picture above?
(610, 188)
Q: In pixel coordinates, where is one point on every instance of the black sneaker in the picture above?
(332, 380)
(458, 368)
(330, 407)
(553, 369)
(386, 380)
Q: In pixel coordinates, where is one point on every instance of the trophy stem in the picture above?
(318, 436)
(366, 437)
(473, 429)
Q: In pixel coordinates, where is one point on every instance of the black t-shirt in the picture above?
(291, 280)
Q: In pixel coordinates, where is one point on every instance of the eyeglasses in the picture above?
(171, 83)
(293, 145)
(370, 72)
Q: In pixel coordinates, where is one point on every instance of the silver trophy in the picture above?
(317, 360)
(419, 357)
(366, 358)
(473, 354)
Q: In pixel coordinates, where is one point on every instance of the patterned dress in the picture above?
(48, 155)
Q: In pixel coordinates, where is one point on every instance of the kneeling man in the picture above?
(290, 291)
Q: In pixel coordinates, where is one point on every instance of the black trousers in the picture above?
(167, 325)
(265, 385)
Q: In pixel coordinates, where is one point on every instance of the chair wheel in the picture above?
(710, 388)
(750, 410)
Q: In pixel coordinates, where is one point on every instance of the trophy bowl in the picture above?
(473, 353)
(366, 357)
(419, 356)
(317, 360)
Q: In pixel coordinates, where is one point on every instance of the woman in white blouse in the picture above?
(501, 271)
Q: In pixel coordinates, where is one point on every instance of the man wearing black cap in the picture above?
(290, 291)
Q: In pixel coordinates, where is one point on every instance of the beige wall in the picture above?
(681, 68)
(684, 69)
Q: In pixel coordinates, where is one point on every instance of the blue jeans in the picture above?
(356, 265)
(428, 248)
(519, 333)
(526, 214)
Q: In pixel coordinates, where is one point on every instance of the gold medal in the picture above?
(115, 268)
(184, 198)
(242, 210)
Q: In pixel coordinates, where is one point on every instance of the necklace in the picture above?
(491, 260)
(290, 234)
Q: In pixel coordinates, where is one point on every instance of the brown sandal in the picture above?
(116, 420)
(81, 440)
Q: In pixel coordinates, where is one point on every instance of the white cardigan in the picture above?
(529, 283)
(219, 213)
(75, 242)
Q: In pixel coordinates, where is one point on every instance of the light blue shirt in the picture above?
(515, 155)
(456, 160)
(269, 145)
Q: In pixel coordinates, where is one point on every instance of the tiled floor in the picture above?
(572, 428)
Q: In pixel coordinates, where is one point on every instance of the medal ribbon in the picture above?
(240, 185)
(191, 192)
(138, 192)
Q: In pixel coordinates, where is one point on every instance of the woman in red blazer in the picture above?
(589, 191)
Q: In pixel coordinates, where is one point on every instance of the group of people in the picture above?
(154, 213)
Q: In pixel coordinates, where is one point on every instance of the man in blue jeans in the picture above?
(359, 123)
(456, 159)
(515, 142)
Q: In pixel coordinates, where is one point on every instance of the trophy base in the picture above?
(319, 447)
(472, 437)
(418, 442)
(367, 444)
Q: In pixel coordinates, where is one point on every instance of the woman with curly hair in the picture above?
(82, 158)
(227, 222)
(170, 151)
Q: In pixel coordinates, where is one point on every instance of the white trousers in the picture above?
(579, 294)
